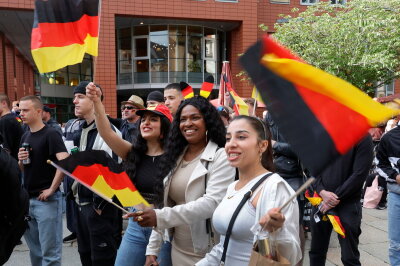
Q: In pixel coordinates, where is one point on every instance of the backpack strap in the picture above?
(246, 197)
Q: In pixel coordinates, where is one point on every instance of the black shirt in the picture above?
(146, 176)
(45, 144)
(11, 131)
(346, 176)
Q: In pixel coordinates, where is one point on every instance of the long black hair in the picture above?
(177, 142)
(139, 148)
(263, 133)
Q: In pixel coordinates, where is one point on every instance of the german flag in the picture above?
(240, 107)
(331, 215)
(99, 172)
(63, 31)
(207, 87)
(320, 115)
(187, 90)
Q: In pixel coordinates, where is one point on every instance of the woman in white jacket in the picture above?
(248, 147)
(197, 176)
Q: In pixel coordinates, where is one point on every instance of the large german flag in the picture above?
(320, 115)
(63, 31)
(240, 107)
(100, 173)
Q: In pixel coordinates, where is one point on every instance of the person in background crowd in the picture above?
(173, 97)
(250, 103)
(98, 222)
(248, 148)
(223, 112)
(154, 98)
(197, 175)
(141, 160)
(10, 128)
(340, 188)
(130, 125)
(15, 107)
(388, 165)
(42, 181)
(47, 119)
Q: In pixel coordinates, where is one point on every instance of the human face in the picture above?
(173, 99)
(152, 103)
(150, 126)
(243, 147)
(129, 111)
(192, 125)
(83, 105)
(29, 113)
(15, 106)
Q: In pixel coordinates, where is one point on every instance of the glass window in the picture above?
(125, 51)
(308, 2)
(141, 30)
(86, 69)
(177, 30)
(159, 57)
(140, 45)
(141, 71)
(158, 30)
(195, 30)
(280, 1)
(338, 2)
(209, 33)
(61, 77)
(194, 59)
(389, 88)
(177, 59)
(125, 72)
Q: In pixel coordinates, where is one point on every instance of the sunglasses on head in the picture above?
(127, 107)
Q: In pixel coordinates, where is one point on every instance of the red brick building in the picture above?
(144, 44)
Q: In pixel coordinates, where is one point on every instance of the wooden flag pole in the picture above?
(87, 186)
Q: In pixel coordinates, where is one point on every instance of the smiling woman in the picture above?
(196, 175)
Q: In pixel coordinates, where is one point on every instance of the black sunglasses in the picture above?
(127, 107)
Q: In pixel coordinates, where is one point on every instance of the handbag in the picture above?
(372, 195)
(245, 198)
(256, 259)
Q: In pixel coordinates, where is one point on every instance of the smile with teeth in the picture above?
(189, 131)
(146, 129)
(233, 155)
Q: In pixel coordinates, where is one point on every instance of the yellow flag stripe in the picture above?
(324, 83)
(50, 59)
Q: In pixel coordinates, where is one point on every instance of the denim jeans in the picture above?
(393, 227)
(132, 250)
(44, 233)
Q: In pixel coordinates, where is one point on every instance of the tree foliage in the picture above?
(358, 42)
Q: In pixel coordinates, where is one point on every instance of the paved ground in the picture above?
(373, 245)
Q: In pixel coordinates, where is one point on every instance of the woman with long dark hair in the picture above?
(196, 175)
(141, 160)
(248, 148)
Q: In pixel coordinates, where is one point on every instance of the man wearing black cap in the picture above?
(98, 225)
(47, 119)
(154, 98)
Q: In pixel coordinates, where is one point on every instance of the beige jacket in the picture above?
(200, 203)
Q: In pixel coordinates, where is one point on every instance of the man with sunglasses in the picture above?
(130, 125)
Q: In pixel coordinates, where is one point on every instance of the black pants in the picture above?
(98, 236)
(350, 215)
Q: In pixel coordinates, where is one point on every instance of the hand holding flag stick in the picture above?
(87, 186)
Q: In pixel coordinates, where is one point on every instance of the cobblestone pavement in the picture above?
(373, 245)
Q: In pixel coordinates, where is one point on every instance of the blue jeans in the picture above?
(132, 250)
(393, 227)
(44, 233)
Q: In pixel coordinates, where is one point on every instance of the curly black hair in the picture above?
(139, 148)
(177, 142)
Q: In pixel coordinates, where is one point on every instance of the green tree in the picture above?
(358, 42)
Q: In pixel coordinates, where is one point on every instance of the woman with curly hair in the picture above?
(141, 160)
(196, 175)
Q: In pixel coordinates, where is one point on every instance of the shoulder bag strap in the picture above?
(246, 197)
(208, 221)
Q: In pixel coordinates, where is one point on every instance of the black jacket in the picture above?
(14, 205)
(286, 162)
(346, 176)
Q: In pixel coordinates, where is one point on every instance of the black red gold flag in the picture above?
(207, 87)
(63, 31)
(320, 115)
(97, 170)
(187, 90)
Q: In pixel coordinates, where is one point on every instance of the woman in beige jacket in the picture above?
(197, 176)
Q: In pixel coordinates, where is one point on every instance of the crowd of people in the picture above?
(216, 183)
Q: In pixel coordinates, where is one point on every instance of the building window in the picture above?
(159, 54)
(280, 1)
(308, 2)
(338, 2)
(389, 88)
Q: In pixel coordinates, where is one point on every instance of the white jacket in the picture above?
(200, 202)
(274, 193)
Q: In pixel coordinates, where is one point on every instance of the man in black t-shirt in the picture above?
(42, 181)
(10, 128)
